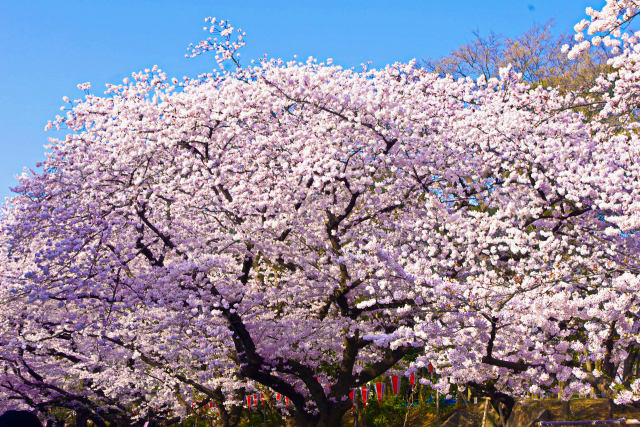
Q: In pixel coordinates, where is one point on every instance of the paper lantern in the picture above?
(395, 384)
(379, 392)
(364, 389)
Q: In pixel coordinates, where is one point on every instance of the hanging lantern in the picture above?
(395, 384)
(379, 392)
(364, 389)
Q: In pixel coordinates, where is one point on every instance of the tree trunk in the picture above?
(97, 421)
(81, 419)
(229, 418)
(330, 418)
(610, 408)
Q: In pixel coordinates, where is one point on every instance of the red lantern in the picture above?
(364, 389)
(379, 392)
(395, 384)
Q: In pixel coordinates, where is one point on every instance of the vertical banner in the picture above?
(352, 396)
(364, 389)
(249, 402)
(286, 399)
(255, 400)
(431, 369)
(395, 384)
(278, 396)
(412, 379)
(262, 398)
(379, 392)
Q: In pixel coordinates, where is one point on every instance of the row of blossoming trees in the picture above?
(289, 226)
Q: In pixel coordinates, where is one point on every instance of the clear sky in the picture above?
(48, 47)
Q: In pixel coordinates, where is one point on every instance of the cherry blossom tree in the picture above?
(578, 332)
(302, 227)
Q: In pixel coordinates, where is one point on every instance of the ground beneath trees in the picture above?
(527, 412)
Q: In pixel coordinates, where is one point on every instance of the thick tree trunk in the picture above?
(81, 419)
(229, 418)
(97, 421)
(330, 418)
(234, 416)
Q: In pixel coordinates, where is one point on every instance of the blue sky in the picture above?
(48, 47)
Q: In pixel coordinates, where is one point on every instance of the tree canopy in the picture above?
(304, 229)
